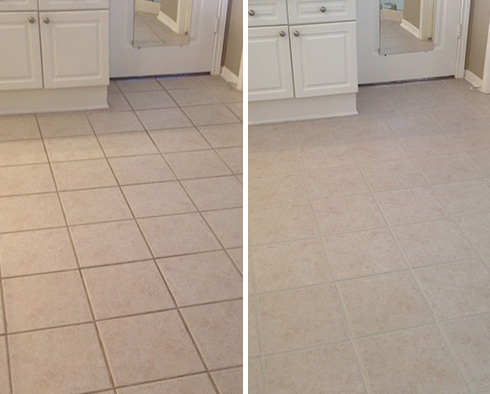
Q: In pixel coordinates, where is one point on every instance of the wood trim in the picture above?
(473, 79)
(410, 28)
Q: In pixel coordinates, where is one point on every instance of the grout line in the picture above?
(5, 339)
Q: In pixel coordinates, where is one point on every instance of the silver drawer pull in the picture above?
(32, 20)
(323, 9)
(251, 13)
(47, 20)
(282, 34)
(297, 33)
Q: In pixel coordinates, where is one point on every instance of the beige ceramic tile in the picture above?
(384, 303)
(470, 340)
(466, 198)
(195, 384)
(22, 152)
(150, 100)
(253, 339)
(83, 174)
(481, 158)
(126, 289)
(200, 164)
(4, 371)
(223, 136)
(285, 266)
(316, 133)
(254, 377)
(227, 224)
(410, 206)
(429, 145)
(113, 87)
(204, 115)
(392, 175)
(218, 332)
(194, 96)
(141, 169)
(95, 205)
(229, 381)
(22, 127)
(184, 234)
(378, 150)
(456, 289)
(114, 122)
(215, 193)
(326, 156)
(433, 243)
(411, 361)
(138, 352)
(117, 102)
(73, 148)
(277, 190)
(341, 214)
(109, 243)
(364, 253)
(26, 180)
(201, 278)
(36, 252)
(179, 140)
(138, 85)
(331, 369)
(2, 331)
(463, 117)
(64, 124)
(237, 256)
(448, 168)
(363, 128)
(187, 82)
(156, 199)
(30, 212)
(237, 109)
(410, 123)
(477, 229)
(271, 138)
(70, 356)
(47, 300)
(127, 144)
(161, 119)
(268, 164)
(300, 318)
(233, 157)
(228, 94)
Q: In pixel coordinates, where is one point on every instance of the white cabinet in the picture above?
(324, 59)
(62, 5)
(75, 48)
(321, 11)
(18, 5)
(20, 65)
(267, 12)
(270, 73)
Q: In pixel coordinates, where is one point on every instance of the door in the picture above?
(193, 56)
(269, 65)
(75, 48)
(439, 60)
(20, 67)
(324, 59)
(18, 5)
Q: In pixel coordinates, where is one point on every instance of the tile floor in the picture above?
(370, 247)
(150, 32)
(120, 243)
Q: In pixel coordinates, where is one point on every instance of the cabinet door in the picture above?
(62, 5)
(321, 11)
(324, 59)
(18, 5)
(267, 12)
(20, 64)
(269, 64)
(75, 48)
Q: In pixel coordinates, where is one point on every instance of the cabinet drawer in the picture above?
(267, 12)
(318, 11)
(63, 5)
(324, 59)
(18, 5)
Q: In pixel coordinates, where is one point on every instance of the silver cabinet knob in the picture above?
(297, 33)
(47, 20)
(282, 34)
(251, 13)
(323, 9)
(32, 20)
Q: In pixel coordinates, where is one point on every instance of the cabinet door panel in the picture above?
(75, 48)
(324, 59)
(267, 12)
(320, 11)
(270, 74)
(62, 5)
(18, 5)
(20, 53)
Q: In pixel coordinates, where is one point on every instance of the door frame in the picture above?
(219, 39)
(464, 25)
(485, 88)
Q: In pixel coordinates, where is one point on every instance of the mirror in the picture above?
(162, 23)
(406, 26)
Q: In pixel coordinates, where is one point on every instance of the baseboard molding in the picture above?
(169, 22)
(229, 76)
(410, 28)
(472, 78)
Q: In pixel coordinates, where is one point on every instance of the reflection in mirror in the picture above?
(406, 26)
(162, 23)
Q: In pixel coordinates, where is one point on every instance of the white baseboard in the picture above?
(410, 28)
(229, 77)
(472, 78)
(169, 22)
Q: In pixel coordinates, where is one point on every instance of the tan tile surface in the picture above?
(196, 384)
(22, 152)
(64, 125)
(215, 193)
(4, 372)
(141, 169)
(21, 127)
(35, 179)
(73, 148)
(229, 381)
(179, 140)
(227, 224)
(83, 174)
(200, 164)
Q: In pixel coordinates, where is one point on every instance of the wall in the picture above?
(233, 45)
(170, 7)
(412, 12)
(478, 36)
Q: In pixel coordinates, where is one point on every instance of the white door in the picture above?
(75, 48)
(441, 61)
(269, 65)
(18, 5)
(127, 61)
(20, 52)
(324, 59)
